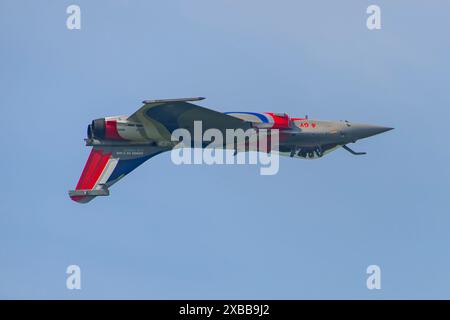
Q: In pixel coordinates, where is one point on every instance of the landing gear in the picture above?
(353, 152)
(310, 152)
(293, 151)
(319, 151)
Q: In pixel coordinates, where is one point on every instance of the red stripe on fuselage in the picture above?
(280, 122)
(111, 132)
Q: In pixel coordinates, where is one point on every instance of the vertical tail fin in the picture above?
(108, 164)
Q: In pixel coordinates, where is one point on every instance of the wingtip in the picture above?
(81, 199)
(84, 196)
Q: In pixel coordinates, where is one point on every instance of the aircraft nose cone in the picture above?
(367, 130)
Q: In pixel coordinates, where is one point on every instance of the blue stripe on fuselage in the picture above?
(261, 116)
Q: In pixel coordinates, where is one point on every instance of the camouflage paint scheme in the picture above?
(122, 143)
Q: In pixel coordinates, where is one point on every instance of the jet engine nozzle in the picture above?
(106, 129)
(97, 129)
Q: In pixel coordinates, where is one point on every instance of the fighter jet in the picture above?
(121, 143)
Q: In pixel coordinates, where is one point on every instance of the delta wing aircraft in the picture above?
(121, 143)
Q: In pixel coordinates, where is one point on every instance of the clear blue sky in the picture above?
(193, 232)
